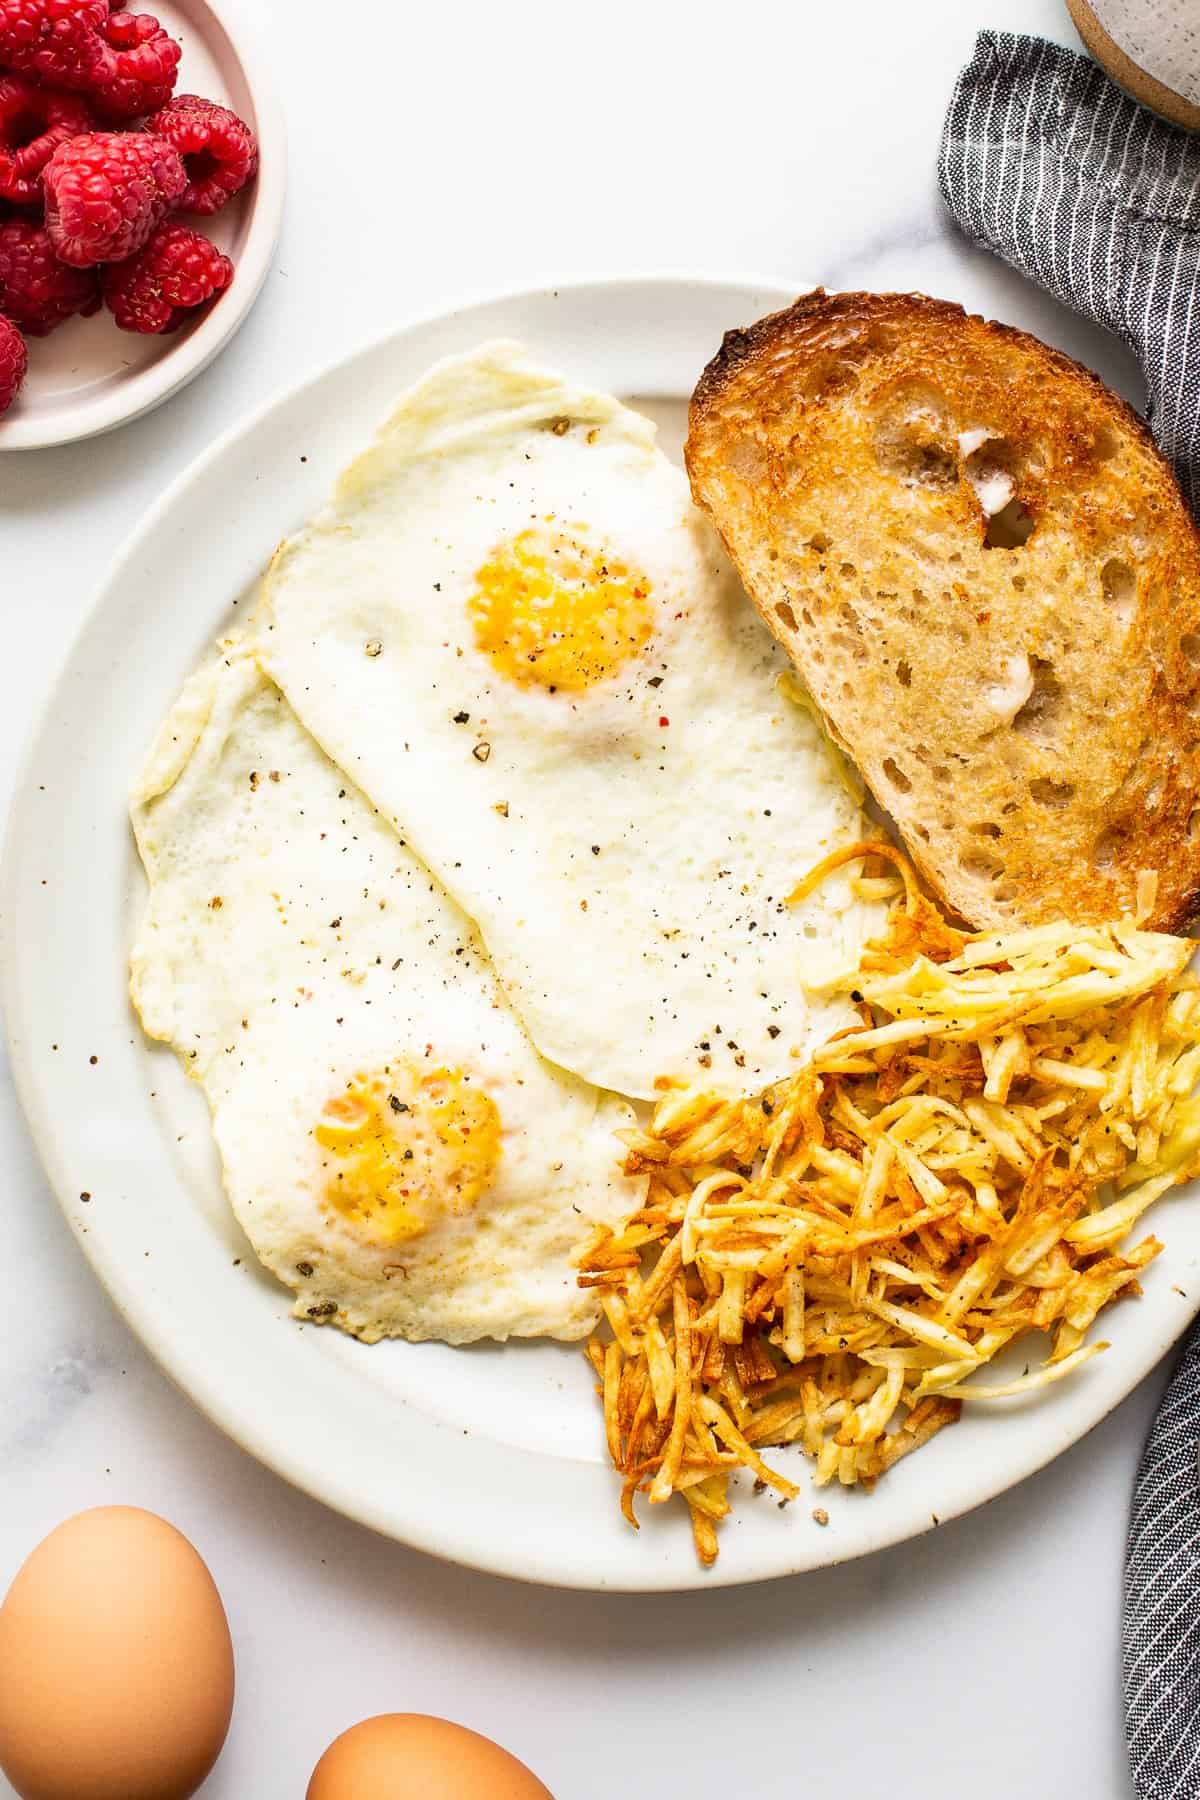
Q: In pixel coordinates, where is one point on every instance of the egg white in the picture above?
(626, 844)
(291, 942)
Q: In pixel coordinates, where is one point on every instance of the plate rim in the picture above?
(160, 381)
(520, 1560)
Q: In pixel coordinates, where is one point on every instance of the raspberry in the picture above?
(177, 271)
(145, 66)
(125, 61)
(13, 361)
(219, 152)
(37, 292)
(33, 123)
(105, 193)
(58, 40)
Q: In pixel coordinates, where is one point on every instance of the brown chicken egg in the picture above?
(408, 1756)
(116, 1666)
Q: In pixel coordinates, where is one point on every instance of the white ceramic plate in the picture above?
(491, 1456)
(87, 376)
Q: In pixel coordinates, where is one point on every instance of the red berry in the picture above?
(34, 121)
(105, 193)
(14, 359)
(37, 292)
(177, 271)
(125, 61)
(219, 152)
(145, 66)
(58, 40)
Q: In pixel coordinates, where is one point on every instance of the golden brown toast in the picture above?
(987, 577)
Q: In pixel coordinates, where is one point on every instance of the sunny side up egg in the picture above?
(518, 636)
(394, 1147)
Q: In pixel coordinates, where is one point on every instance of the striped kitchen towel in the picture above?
(1047, 163)
(1160, 1639)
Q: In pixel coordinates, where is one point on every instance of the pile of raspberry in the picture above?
(98, 158)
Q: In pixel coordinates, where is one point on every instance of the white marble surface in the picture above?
(437, 151)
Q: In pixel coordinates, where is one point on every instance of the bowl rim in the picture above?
(160, 380)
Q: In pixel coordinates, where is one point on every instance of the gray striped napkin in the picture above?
(1048, 164)
(1160, 1639)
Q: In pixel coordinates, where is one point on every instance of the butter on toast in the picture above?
(988, 579)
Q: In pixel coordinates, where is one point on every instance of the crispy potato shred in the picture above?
(832, 1262)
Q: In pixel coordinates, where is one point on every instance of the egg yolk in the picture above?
(553, 610)
(408, 1147)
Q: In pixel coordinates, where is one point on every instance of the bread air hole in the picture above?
(1105, 444)
(747, 460)
(1135, 774)
(1107, 848)
(1189, 643)
(916, 461)
(783, 611)
(1193, 825)
(980, 867)
(986, 829)
(1051, 793)
(828, 374)
(904, 674)
(912, 441)
(991, 470)
(1009, 528)
(879, 340)
(896, 776)
(1039, 715)
(1118, 584)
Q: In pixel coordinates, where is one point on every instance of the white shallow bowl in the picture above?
(87, 377)
(491, 1456)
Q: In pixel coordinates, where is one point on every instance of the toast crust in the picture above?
(986, 575)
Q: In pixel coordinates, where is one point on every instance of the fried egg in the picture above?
(395, 1148)
(513, 630)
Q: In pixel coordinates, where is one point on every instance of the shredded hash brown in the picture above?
(830, 1263)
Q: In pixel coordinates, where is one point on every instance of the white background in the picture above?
(438, 151)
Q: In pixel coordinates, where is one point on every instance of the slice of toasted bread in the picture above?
(987, 577)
